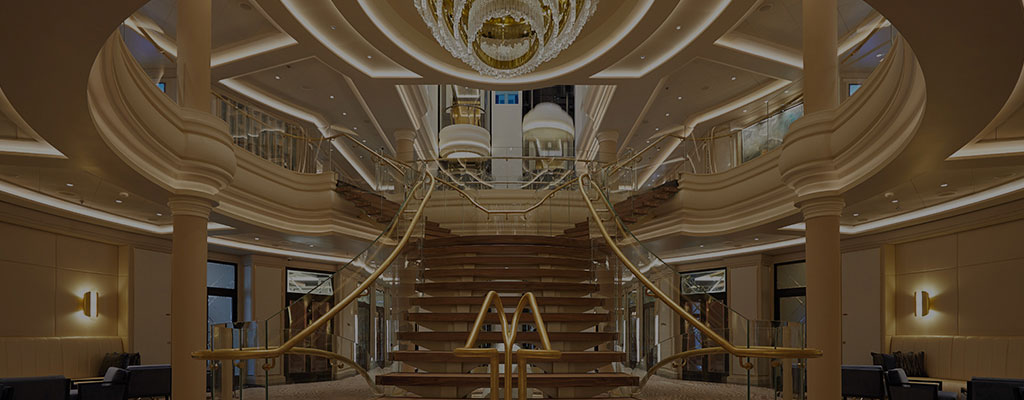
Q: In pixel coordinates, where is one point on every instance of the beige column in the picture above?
(193, 39)
(824, 296)
(188, 295)
(405, 148)
(821, 62)
(607, 146)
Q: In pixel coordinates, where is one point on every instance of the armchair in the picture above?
(897, 378)
(113, 387)
(863, 381)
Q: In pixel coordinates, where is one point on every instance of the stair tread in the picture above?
(499, 272)
(507, 286)
(504, 261)
(481, 379)
(446, 356)
(577, 253)
(508, 301)
(495, 337)
(495, 240)
(493, 317)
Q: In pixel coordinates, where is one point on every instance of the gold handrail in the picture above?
(522, 211)
(272, 353)
(749, 351)
(508, 337)
(686, 354)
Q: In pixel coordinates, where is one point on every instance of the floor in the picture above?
(658, 388)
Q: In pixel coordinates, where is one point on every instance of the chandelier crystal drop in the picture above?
(505, 38)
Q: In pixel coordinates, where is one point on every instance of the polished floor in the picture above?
(354, 388)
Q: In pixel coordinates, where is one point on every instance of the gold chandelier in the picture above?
(505, 38)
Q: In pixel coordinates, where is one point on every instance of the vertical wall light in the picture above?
(90, 301)
(922, 303)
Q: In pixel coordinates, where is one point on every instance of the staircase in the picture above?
(456, 273)
(382, 210)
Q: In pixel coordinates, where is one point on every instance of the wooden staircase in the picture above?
(632, 209)
(454, 276)
(381, 210)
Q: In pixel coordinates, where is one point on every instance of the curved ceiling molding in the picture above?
(684, 25)
(322, 20)
(378, 13)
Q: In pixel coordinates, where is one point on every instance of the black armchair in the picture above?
(994, 389)
(113, 387)
(38, 387)
(6, 392)
(149, 381)
(914, 391)
(863, 381)
(898, 378)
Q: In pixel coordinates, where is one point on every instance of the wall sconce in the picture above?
(922, 303)
(90, 302)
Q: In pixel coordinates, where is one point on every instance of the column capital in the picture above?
(405, 134)
(191, 205)
(605, 136)
(828, 206)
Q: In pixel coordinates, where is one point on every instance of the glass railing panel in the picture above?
(661, 343)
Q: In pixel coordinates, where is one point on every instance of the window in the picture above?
(221, 292)
(162, 86)
(506, 97)
(852, 88)
(767, 134)
(791, 292)
(302, 282)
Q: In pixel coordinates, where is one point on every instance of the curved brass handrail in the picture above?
(271, 353)
(508, 337)
(750, 351)
(481, 207)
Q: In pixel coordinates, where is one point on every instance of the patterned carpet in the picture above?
(354, 388)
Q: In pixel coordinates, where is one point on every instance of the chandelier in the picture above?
(505, 38)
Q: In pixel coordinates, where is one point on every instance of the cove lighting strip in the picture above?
(80, 210)
(926, 212)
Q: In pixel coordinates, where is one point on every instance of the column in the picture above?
(607, 146)
(824, 296)
(405, 149)
(193, 39)
(188, 295)
(821, 61)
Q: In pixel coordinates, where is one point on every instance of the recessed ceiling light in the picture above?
(643, 57)
(332, 96)
(657, 129)
(648, 142)
(334, 27)
(256, 238)
(355, 128)
(756, 238)
(702, 246)
(364, 140)
(278, 77)
(344, 113)
(369, 57)
(733, 77)
(679, 97)
(159, 214)
(69, 184)
(312, 246)
(678, 27)
(744, 110)
(879, 55)
(944, 185)
(894, 201)
(856, 214)
(666, 114)
(118, 201)
(786, 92)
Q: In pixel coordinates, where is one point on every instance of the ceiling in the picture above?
(664, 58)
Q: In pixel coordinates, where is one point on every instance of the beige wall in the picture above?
(151, 306)
(974, 278)
(862, 305)
(43, 277)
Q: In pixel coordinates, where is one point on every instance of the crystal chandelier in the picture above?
(505, 38)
